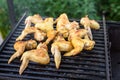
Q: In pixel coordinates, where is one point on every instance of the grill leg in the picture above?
(11, 12)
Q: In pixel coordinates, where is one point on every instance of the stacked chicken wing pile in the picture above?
(67, 37)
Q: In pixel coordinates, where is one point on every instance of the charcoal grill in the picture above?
(89, 65)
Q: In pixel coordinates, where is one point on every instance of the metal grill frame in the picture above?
(107, 58)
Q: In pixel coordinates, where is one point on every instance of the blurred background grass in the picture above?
(73, 8)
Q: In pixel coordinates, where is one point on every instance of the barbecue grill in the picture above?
(89, 65)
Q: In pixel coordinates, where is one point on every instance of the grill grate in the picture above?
(89, 65)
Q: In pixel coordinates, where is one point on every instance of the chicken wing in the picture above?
(80, 33)
(46, 25)
(33, 19)
(60, 44)
(94, 25)
(25, 32)
(86, 23)
(78, 45)
(75, 37)
(62, 21)
(39, 55)
(21, 46)
(38, 34)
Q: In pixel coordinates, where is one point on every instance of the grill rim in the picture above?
(107, 60)
(108, 71)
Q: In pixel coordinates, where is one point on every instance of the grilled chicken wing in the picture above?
(33, 19)
(39, 55)
(20, 47)
(38, 34)
(75, 36)
(88, 24)
(78, 47)
(25, 32)
(94, 25)
(62, 21)
(60, 44)
(46, 25)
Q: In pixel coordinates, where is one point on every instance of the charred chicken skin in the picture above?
(21, 46)
(39, 55)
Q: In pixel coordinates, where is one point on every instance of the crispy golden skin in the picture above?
(75, 36)
(25, 32)
(94, 24)
(60, 44)
(46, 25)
(88, 44)
(39, 55)
(21, 46)
(38, 34)
(88, 24)
(61, 22)
(51, 35)
(72, 25)
(33, 19)
(78, 45)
